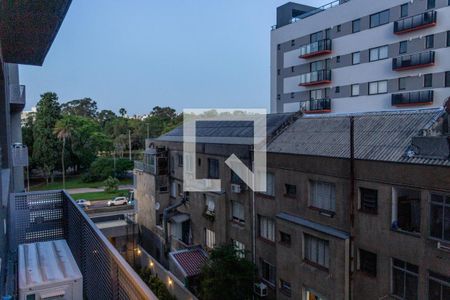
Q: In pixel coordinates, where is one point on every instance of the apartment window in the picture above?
(210, 204)
(428, 80)
(404, 10)
(180, 160)
(337, 89)
(285, 238)
(368, 262)
(210, 238)
(403, 47)
(285, 287)
(278, 47)
(317, 36)
(290, 190)
(402, 83)
(378, 87)
(338, 59)
(292, 69)
(240, 248)
(438, 286)
(267, 228)
(237, 212)
(267, 271)
(368, 200)
(429, 41)
(355, 90)
(356, 26)
(189, 162)
(379, 53)
(431, 4)
(213, 168)
(440, 217)
(323, 195)
(292, 95)
(319, 65)
(407, 206)
(316, 250)
(317, 94)
(356, 58)
(278, 72)
(338, 28)
(448, 37)
(447, 79)
(292, 43)
(270, 182)
(199, 162)
(379, 19)
(404, 279)
(278, 97)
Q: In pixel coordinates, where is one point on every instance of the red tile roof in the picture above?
(191, 261)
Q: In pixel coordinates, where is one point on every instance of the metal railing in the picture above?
(316, 48)
(316, 77)
(412, 98)
(140, 165)
(416, 22)
(413, 60)
(51, 215)
(316, 105)
(17, 94)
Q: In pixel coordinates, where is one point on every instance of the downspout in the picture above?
(166, 214)
(352, 204)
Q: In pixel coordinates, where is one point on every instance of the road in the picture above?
(94, 190)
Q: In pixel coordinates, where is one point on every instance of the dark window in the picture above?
(317, 36)
(404, 10)
(379, 19)
(292, 43)
(440, 217)
(235, 178)
(402, 83)
(403, 47)
(356, 26)
(292, 69)
(285, 238)
(447, 79)
(438, 286)
(404, 279)
(368, 262)
(199, 162)
(278, 72)
(431, 4)
(291, 190)
(213, 168)
(292, 95)
(278, 97)
(428, 80)
(267, 271)
(408, 210)
(180, 160)
(448, 37)
(278, 47)
(338, 28)
(285, 288)
(338, 59)
(337, 90)
(369, 200)
(429, 41)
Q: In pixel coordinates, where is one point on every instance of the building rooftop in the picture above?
(190, 261)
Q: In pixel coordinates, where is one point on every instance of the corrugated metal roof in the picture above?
(190, 261)
(382, 136)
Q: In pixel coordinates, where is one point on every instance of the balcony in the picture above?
(319, 106)
(53, 215)
(413, 61)
(318, 48)
(418, 22)
(17, 97)
(144, 167)
(413, 98)
(315, 78)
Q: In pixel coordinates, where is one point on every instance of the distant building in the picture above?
(26, 113)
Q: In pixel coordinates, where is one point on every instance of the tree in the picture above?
(105, 116)
(111, 184)
(45, 146)
(63, 130)
(122, 112)
(227, 275)
(85, 107)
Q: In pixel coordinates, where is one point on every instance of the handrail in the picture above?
(317, 76)
(321, 45)
(413, 98)
(422, 20)
(413, 60)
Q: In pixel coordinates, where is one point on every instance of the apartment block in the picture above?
(360, 56)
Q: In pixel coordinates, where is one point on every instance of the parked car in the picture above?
(118, 201)
(84, 203)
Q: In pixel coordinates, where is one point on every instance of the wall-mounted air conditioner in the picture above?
(261, 289)
(235, 188)
(443, 246)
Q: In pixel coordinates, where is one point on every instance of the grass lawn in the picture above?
(99, 195)
(74, 183)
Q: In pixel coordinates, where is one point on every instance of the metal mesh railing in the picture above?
(51, 215)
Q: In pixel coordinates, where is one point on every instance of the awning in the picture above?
(180, 218)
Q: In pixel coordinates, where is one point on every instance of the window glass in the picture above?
(368, 262)
(369, 200)
(403, 47)
(402, 83)
(404, 280)
(429, 41)
(237, 212)
(356, 25)
(267, 228)
(404, 10)
(355, 90)
(356, 58)
(428, 80)
(316, 250)
(323, 195)
(213, 168)
(379, 19)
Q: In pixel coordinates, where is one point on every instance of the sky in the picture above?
(138, 54)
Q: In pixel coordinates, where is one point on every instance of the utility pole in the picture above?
(129, 143)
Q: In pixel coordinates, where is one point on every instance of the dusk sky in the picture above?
(141, 53)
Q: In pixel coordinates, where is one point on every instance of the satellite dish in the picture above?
(157, 205)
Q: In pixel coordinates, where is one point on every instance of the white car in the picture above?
(118, 201)
(84, 203)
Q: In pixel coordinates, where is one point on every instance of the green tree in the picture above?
(111, 184)
(122, 112)
(85, 107)
(227, 275)
(105, 116)
(64, 130)
(46, 144)
(27, 133)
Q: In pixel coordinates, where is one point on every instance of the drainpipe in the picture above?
(166, 214)
(352, 203)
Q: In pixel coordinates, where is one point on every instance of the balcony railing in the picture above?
(316, 106)
(414, 61)
(413, 98)
(52, 215)
(315, 78)
(140, 165)
(17, 97)
(421, 21)
(321, 47)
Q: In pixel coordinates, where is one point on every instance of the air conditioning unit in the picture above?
(261, 289)
(443, 246)
(235, 188)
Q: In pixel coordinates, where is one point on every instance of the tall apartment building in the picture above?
(360, 55)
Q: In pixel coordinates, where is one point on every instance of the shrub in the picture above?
(111, 184)
(156, 285)
(102, 168)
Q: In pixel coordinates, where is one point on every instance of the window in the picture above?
(337, 89)
(378, 87)
(338, 28)
(402, 83)
(440, 217)
(428, 80)
(267, 228)
(278, 72)
(404, 279)
(270, 189)
(213, 168)
(189, 161)
(210, 204)
(323, 195)
(267, 271)
(378, 53)
(285, 238)
(369, 200)
(310, 294)
(210, 238)
(447, 79)
(448, 38)
(317, 94)
(431, 4)
(180, 160)
(292, 69)
(407, 206)
(240, 248)
(317, 36)
(237, 212)
(290, 190)
(403, 47)
(368, 262)
(316, 251)
(319, 65)
(292, 43)
(379, 19)
(355, 90)
(292, 95)
(278, 47)
(338, 59)
(285, 287)
(438, 286)
(404, 10)
(356, 58)
(356, 26)
(429, 41)
(278, 97)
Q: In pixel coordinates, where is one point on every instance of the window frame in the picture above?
(404, 7)
(285, 238)
(378, 15)
(405, 271)
(239, 215)
(353, 93)
(364, 208)
(313, 194)
(429, 41)
(447, 78)
(379, 57)
(210, 238)
(441, 280)
(402, 86)
(444, 205)
(271, 272)
(288, 190)
(266, 228)
(308, 253)
(428, 80)
(210, 170)
(354, 55)
(400, 48)
(356, 28)
(362, 266)
(378, 87)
